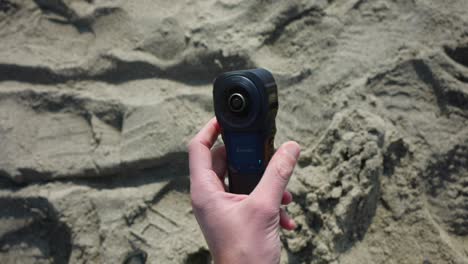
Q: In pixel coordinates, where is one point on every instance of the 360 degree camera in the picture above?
(246, 103)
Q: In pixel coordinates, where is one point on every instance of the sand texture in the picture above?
(98, 99)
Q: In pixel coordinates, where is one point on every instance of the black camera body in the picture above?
(246, 104)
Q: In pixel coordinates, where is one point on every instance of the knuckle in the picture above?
(256, 205)
(195, 199)
(197, 204)
(263, 208)
(270, 210)
(191, 144)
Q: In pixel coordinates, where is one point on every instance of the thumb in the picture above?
(271, 187)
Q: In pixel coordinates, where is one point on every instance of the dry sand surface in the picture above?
(98, 99)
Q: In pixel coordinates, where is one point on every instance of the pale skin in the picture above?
(239, 228)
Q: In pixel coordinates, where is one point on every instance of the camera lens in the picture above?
(236, 102)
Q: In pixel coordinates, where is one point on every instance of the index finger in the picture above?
(199, 147)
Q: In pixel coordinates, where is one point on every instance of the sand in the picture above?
(98, 99)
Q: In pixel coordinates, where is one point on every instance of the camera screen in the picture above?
(244, 151)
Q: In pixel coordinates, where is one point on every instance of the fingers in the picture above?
(200, 161)
(218, 155)
(273, 183)
(287, 198)
(199, 147)
(286, 221)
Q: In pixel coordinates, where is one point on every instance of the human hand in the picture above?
(239, 228)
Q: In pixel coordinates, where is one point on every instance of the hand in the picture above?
(239, 228)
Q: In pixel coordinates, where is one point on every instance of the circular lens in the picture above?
(236, 102)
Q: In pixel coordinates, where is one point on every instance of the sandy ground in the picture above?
(99, 97)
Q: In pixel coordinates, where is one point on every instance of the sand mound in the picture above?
(99, 98)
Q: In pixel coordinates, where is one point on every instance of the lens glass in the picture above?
(236, 102)
(237, 106)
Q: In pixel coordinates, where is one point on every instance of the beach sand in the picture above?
(98, 99)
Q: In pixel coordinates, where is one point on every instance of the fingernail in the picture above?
(292, 224)
(293, 149)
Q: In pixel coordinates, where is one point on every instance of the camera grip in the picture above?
(242, 183)
(246, 170)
